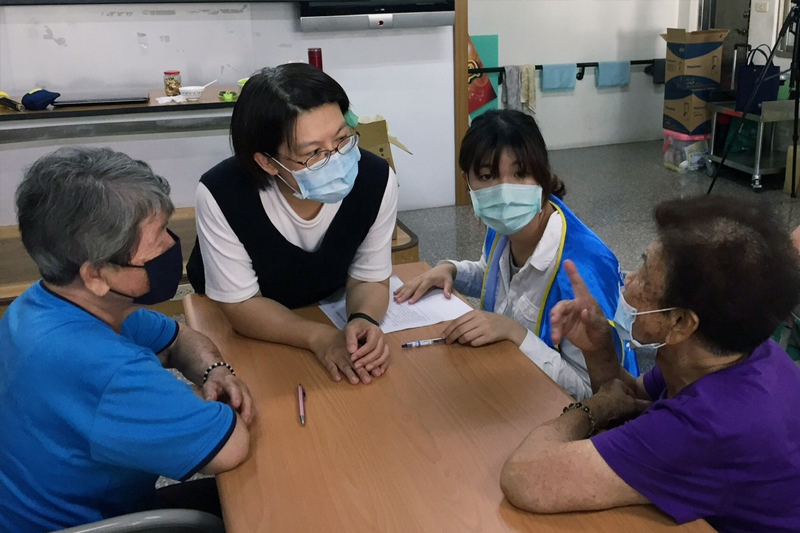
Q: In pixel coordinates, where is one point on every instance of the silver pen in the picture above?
(424, 342)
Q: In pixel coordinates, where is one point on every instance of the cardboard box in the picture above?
(687, 111)
(694, 58)
(373, 131)
(374, 136)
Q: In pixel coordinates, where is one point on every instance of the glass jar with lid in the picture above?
(172, 82)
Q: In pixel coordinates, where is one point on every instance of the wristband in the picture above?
(364, 316)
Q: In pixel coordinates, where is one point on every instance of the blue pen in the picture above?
(425, 342)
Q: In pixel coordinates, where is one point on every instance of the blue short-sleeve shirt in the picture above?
(89, 418)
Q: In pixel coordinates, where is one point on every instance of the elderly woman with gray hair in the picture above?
(90, 416)
(713, 431)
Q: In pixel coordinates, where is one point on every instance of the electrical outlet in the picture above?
(182, 291)
(762, 7)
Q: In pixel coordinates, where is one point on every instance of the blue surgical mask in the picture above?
(331, 183)
(624, 318)
(507, 207)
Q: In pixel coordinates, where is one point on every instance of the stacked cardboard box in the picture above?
(373, 131)
(693, 67)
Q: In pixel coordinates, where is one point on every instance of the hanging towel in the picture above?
(559, 77)
(511, 88)
(527, 93)
(613, 73)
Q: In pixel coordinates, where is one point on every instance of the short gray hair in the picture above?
(81, 204)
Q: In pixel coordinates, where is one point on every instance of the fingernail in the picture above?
(369, 368)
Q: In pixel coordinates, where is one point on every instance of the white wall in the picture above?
(573, 31)
(764, 27)
(404, 75)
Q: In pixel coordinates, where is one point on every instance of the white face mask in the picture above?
(624, 318)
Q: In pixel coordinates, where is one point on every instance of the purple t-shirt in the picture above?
(725, 448)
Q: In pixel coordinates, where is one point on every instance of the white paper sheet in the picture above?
(430, 309)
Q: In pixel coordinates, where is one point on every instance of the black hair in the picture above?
(731, 262)
(497, 130)
(266, 112)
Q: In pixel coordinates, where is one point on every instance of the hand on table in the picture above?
(330, 347)
(373, 353)
(614, 403)
(478, 328)
(581, 319)
(225, 387)
(441, 276)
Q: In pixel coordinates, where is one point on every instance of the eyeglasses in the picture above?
(321, 158)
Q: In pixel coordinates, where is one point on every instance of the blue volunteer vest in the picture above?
(596, 264)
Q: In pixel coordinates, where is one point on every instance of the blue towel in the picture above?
(559, 77)
(613, 73)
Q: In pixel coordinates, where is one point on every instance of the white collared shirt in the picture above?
(520, 297)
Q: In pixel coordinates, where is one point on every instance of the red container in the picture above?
(315, 57)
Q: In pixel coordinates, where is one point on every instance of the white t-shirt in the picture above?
(229, 273)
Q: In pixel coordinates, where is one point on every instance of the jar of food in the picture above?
(172, 82)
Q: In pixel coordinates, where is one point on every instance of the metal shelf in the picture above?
(772, 163)
(762, 160)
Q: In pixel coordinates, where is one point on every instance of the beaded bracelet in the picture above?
(215, 365)
(585, 409)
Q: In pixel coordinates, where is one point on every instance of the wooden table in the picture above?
(419, 449)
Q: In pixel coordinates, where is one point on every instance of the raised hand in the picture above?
(581, 319)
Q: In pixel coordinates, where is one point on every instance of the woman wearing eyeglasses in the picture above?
(297, 213)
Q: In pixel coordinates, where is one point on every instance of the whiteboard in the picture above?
(90, 47)
(406, 75)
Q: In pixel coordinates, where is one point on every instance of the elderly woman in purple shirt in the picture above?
(713, 431)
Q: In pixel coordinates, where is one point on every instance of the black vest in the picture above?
(288, 274)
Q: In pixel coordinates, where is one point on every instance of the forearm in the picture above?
(532, 476)
(571, 426)
(368, 297)
(557, 469)
(603, 365)
(265, 319)
(191, 354)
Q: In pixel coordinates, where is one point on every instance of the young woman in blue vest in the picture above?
(298, 213)
(530, 233)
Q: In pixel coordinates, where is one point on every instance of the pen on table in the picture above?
(301, 403)
(424, 342)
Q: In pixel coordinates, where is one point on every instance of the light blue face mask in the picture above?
(624, 318)
(507, 207)
(331, 183)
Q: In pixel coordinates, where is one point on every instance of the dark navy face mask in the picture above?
(164, 273)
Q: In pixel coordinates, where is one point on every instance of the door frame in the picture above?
(461, 89)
